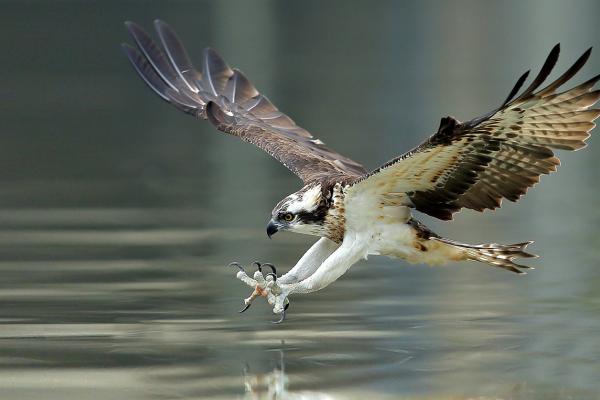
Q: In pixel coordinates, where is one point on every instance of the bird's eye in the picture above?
(287, 217)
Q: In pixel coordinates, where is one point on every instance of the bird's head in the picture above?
(301, 212)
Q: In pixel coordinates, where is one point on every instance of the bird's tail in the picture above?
(497, 255)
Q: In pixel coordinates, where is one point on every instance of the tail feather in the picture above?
(498, 255)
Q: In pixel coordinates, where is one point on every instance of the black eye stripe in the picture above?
(315, 217)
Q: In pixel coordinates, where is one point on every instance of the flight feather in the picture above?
(498, 156)
(226, 98)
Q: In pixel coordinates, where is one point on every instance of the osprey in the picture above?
(473, 164)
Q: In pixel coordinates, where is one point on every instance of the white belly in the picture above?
(390, 235)
(397, 240)
(401, 241)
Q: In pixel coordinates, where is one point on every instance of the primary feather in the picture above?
(499, 156)
(226, 98)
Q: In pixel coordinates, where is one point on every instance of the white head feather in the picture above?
(305, 201)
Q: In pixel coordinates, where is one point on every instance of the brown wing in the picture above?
(500, 155)
(231, 103)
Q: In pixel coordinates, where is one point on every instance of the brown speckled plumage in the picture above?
(335, 220)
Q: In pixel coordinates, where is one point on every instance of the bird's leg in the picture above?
(351, 250)
(310, 261)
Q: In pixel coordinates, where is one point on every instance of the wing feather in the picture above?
(153, 55)
(146, 71)
(178, 57)
(543, 74)
(569, 73)
(497, 156)
(228, 99)
(157, 83)
(516, 88)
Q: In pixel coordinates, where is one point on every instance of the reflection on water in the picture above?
(274, 384)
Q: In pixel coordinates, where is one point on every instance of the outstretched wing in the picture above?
(231, 103)
(500, 155)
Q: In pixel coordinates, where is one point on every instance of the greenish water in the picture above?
(118, 215)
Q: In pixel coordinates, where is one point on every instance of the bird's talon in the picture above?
(258, 276)
(282, 318)
(258, 265)
(247, 306)
(273, 269)
(237, 265)
(264, 286)
(272, 276)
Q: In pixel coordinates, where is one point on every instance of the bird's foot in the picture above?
(278, 298)
(264, 286)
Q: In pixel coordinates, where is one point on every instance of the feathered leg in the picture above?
(351, 250)
(310, 261)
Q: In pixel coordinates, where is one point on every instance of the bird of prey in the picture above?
(356, 212)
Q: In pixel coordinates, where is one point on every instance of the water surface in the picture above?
(118, 215)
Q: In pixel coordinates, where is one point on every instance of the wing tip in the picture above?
(130, 52)
(134, 29)
(554, 54)
(126, 46)
(161, 26)
(516, 88)
(129, 24)
(209, 52)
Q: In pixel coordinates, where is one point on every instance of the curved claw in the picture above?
(247, 306)
(258, 266)
(273, 275)
(274, 271)
(237, 264)
(280, 320)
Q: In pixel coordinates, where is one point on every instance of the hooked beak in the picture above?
(272, 228)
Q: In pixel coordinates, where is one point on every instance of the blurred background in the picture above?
(119, 214)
